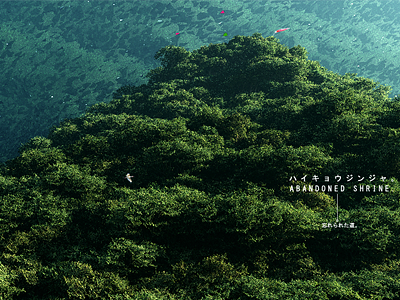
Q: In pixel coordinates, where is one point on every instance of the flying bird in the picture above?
(129, 177)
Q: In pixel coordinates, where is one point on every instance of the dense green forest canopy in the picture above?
(213, 141)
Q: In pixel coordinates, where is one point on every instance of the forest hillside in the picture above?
(256, 174)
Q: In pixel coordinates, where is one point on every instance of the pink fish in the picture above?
(283, 29)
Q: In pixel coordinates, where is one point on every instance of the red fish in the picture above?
(129, 177)
(283, 29)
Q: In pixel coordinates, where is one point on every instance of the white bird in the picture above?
(128, 176)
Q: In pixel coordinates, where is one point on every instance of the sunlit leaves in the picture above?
(8, 290)
(69, 180)
(36, 160)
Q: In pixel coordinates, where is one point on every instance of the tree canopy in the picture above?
(214, 141)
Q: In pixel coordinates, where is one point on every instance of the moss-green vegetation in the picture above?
(59, 57)
(212, 141)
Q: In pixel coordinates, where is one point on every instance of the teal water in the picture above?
(60, 57)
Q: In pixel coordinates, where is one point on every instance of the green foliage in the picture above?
(126, 257)
(7, 283)
(212, 278)
(79, 281)
(212, 142)
(36, 157)
(374, 284)
(389, 200)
